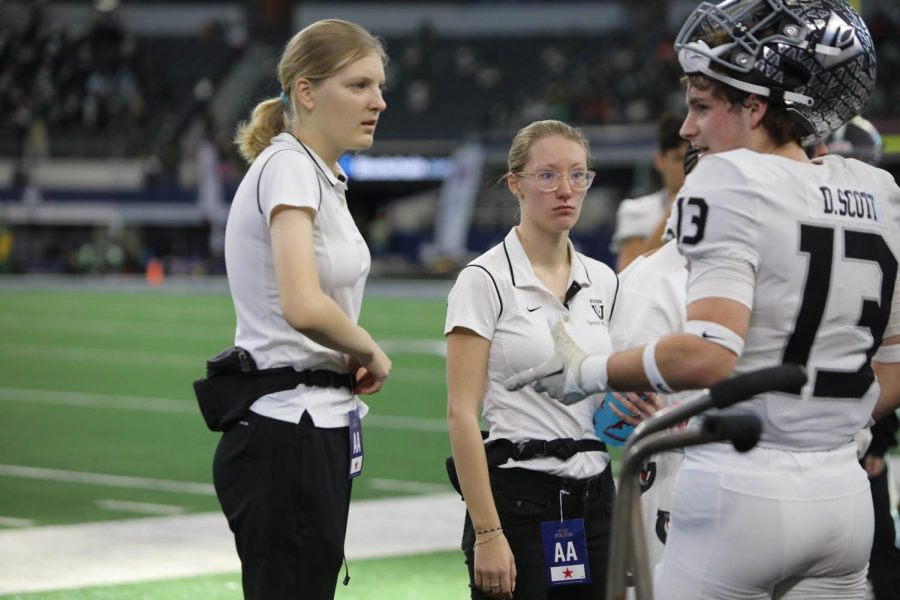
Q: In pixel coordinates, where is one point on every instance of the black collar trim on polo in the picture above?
(587, 273)
(509, 262)
(330, 177)
(570, 293)
(575, 283)
(615, 297)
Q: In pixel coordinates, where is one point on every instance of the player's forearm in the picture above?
(685, 362)
(888, 375)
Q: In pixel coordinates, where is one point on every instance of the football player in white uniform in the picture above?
(640, 222)
(789, 261)
(651, 305)
(652, 293)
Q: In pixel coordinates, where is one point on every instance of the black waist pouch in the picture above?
(233, 383)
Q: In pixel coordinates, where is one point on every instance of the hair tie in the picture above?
(284, 100)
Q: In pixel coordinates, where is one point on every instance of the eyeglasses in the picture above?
(548, 181)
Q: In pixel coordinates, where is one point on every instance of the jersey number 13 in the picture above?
(818, 243)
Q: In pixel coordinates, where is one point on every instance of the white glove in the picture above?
(570, 375)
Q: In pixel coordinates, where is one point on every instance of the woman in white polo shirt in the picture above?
(297, 266)
(541, 463)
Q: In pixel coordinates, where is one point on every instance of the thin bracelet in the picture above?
(483, 531)
(490, 539)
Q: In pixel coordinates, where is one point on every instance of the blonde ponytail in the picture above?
(268, 120)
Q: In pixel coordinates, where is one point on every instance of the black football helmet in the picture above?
(816, 56)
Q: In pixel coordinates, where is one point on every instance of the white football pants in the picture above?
(767, 524)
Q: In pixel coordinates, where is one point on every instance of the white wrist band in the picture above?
(652, 371)
(717, 334)
(888, 354)
(592, 373)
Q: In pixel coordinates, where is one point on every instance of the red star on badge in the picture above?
(567, 573)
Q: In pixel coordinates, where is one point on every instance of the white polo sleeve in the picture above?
(474, 302)
(715, 220)
(288, 178)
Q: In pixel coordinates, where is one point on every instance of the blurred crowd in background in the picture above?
(91, 89)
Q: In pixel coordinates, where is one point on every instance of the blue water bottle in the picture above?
(609, 427)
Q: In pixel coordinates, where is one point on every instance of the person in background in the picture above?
(884, 577)
(652, 304)
(789, 262)
(859, 139)
(297, 266)
(640, 222)
(541, 463)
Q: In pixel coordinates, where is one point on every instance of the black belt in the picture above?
(269, 381)
(233, 383)
(501, 450)
(317, 377)
(236, 360)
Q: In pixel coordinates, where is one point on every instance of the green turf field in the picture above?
(100, 423)
(99, 383)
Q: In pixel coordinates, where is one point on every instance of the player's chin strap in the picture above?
(695, 58)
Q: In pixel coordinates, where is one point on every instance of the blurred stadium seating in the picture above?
(107, 109)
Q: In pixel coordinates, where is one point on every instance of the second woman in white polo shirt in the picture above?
(539, 489)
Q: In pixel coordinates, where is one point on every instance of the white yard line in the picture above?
(74, 556)
(184, 487)
(432, 347)
(111, 327)
(144, 508)
(137, 358)
(165, 405)
(209, 332)
(120, 481)
(406, 423)
(115, 401)
(14, 522)
(407, 487)
(112, 356)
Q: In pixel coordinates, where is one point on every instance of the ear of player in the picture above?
(570, 375)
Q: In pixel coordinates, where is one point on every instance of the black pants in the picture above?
(285, 492)
(524, 500)
(884, 564)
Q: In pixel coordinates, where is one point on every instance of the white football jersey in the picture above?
(823, 244)
(651, 304)
(652, 289)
